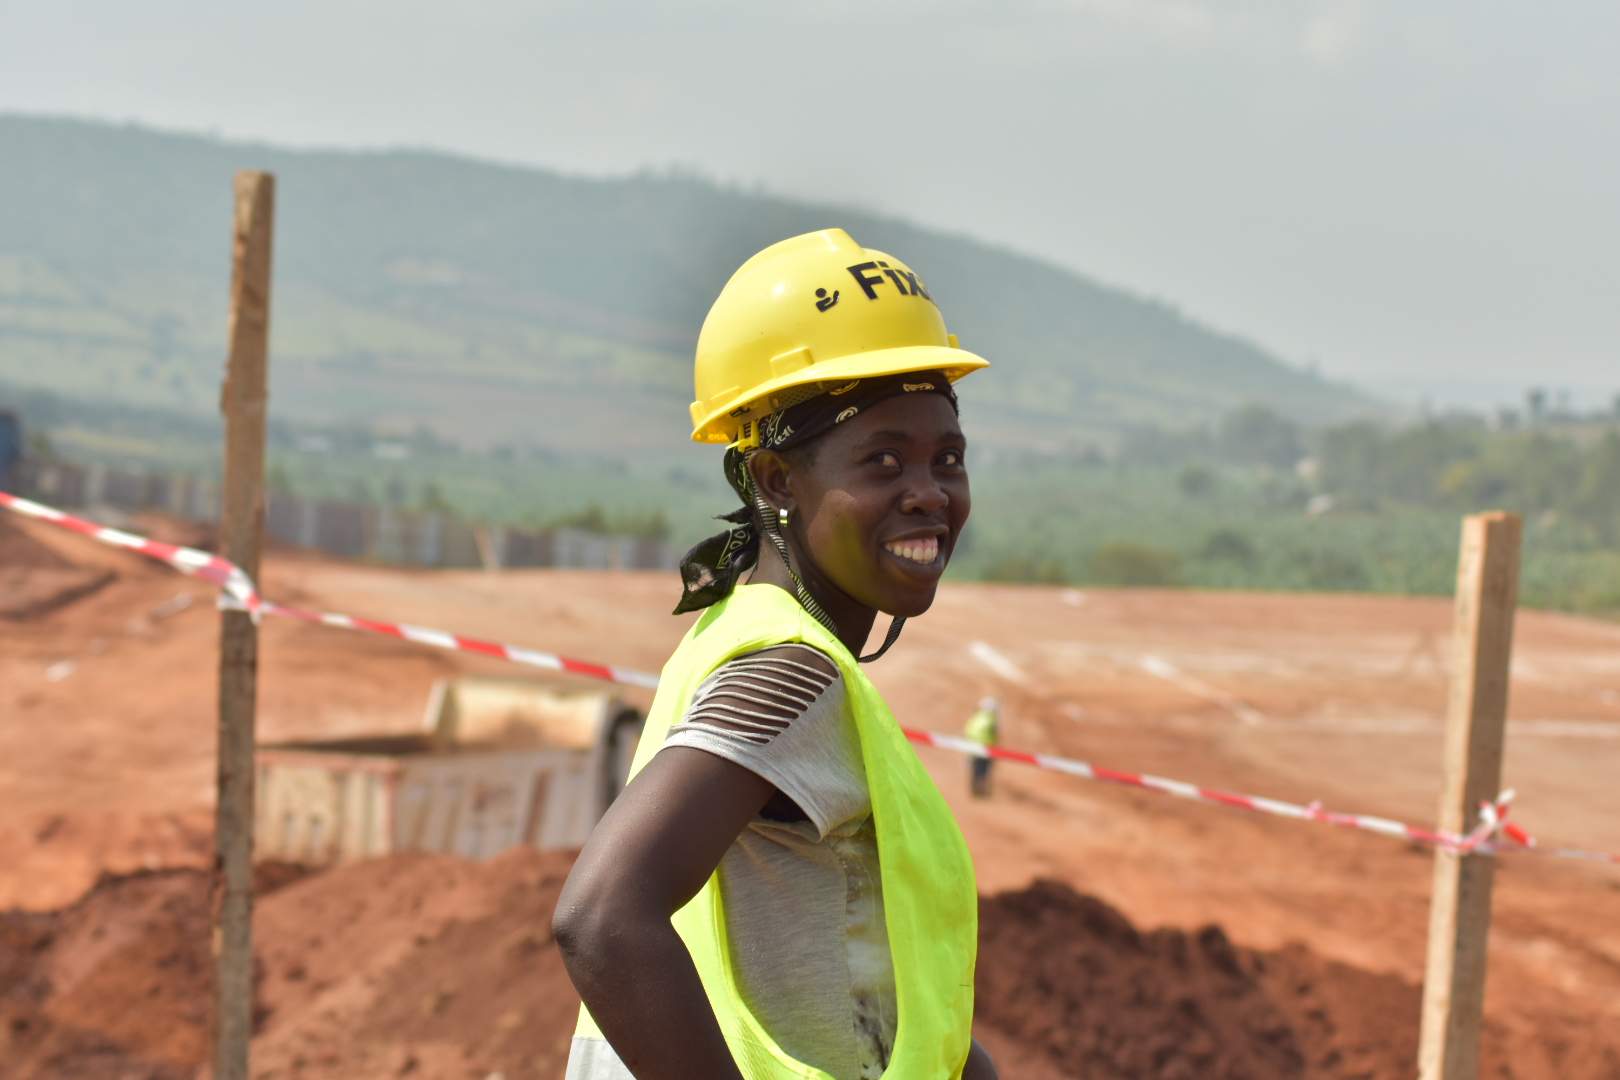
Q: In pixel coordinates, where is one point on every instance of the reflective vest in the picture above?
(983, 728)
(929, 899)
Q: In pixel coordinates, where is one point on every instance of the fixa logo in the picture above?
(869, 275)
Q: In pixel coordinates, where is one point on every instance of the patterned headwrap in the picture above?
(710, 570)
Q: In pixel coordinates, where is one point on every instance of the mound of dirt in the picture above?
(428, 966)
(116, 986)
(35, 577)
(415, 964)
(420, 965)
(1068, 978)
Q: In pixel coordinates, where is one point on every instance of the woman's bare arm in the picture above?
(979, 1066)
(651, 853)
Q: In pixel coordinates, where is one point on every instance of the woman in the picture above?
(780, 891)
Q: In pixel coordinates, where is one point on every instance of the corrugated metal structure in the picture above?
(349, 530)
(501, 763)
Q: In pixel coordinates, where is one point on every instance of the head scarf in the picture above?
(710, 570)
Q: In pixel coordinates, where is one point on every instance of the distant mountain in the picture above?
(504, 304)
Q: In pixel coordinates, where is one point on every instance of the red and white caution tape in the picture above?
(1494, 832)
(241, 595)
(443, 639)
(1509, 837)
(200, 564)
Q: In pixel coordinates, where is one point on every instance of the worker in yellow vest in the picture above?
(983, 727)
(780, 891)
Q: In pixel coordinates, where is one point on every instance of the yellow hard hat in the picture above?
(816, 308)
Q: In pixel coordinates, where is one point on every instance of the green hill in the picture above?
(504, 304)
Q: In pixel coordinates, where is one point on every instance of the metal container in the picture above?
(500, 763)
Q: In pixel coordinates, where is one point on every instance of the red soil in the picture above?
(362, 971)
(115, 986)
(1070, 975)
(110, 769)
(35, 577)
(426, 966)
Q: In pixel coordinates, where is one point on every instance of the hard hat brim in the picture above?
(721, 423)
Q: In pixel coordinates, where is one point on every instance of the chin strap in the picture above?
(888, 639)
(768, 522)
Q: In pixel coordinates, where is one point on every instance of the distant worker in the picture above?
(781, 877)
(983, 727)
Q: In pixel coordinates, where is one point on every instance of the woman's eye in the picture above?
(888, 459)
(951, 458)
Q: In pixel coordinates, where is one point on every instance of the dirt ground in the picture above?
(425, 965)
(106, 766)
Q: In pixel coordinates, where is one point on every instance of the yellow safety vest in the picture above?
(929, 898)
(983, 728)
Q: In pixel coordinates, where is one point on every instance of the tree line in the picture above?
(1568, 470)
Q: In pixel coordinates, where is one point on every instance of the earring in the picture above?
(782, 517)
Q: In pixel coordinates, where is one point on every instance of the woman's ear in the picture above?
(770, 474)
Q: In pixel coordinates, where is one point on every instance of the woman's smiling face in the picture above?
(878, 503)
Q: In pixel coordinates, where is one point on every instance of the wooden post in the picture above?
(1460, 908)
(484, 538)
(242, 400)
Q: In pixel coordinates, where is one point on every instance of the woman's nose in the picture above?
(926, 496)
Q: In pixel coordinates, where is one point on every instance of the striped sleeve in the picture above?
(755, 697)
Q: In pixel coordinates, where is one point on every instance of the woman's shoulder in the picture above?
(782, 712)
(789, 657)
(787, 682)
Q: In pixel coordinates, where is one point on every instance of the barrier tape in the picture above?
(189, 561)
(240, 595)
(442, 639)
(1494, 832)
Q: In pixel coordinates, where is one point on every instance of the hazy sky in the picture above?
(1417, 193)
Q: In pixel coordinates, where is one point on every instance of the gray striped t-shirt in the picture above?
(803, 898)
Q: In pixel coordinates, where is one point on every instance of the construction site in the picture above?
(1263, 725)
(1123, 933)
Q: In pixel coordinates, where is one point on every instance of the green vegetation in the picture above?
(1573, 473)
(1254, 501)
(1124, 562)
(1132, 525)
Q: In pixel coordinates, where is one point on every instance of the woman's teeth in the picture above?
(917, 551)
